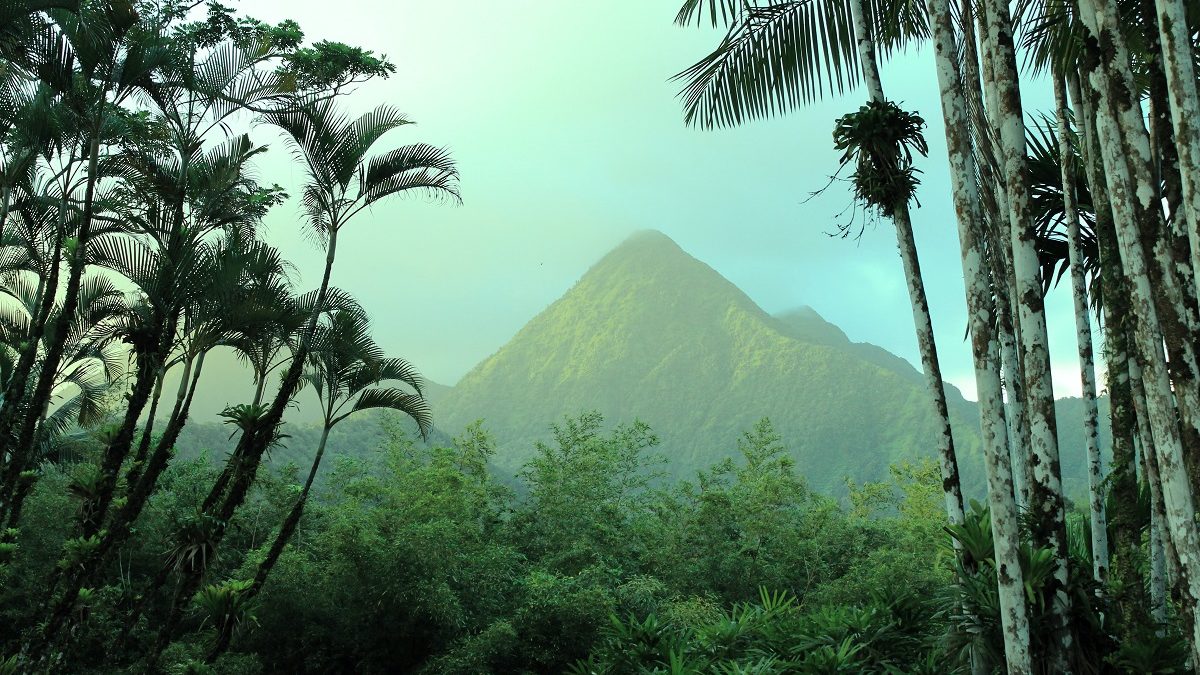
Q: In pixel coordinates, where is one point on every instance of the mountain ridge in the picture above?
(650, 332)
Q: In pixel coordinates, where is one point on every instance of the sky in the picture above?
(569, 137)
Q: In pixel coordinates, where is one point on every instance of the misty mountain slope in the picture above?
(651, 333)
(806, 325)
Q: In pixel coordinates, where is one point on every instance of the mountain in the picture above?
(651, 333)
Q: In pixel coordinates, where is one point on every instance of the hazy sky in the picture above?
(569, 137)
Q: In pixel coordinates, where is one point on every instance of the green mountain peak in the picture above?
(651, 333)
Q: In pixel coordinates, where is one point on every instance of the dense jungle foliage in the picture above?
(131, 250)
(423, 561)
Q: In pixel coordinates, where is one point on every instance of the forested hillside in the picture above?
(666, 478)
(650, 333)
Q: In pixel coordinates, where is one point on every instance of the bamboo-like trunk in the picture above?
(139, 458)
(1159, 542)
(1174, 237)
(1014, 613)
(951, 486)
(1083, 336)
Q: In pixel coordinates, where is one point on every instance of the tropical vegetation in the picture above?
(131, 249)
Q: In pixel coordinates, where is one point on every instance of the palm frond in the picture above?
(773, 60)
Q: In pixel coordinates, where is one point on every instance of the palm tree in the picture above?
(98, 49)
(346, 370)
(1154, 293)
(343, 181)
(1014, 613)
(1083, 332)
(789, 44)
(1113, 301)
(187, 270)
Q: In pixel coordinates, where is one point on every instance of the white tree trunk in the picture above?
(1115, 138)
(1083, 336)
(866, 50)
(976, 81)
(951, 489)
(1162, 553)
(1014, 614)
(1176, 321)
(1047, 503)
(1175, 40)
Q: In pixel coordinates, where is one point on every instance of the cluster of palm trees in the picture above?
(1102, 190)
(129, 251)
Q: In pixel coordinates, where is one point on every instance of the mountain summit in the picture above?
(651, 333)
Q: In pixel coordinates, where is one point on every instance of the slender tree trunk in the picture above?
(1115, 146)
(1159, 544)
(1015, 410)
(1014, 613)
(5, 202)
(1127, 591)
(259, 387)
(995, 204)
(293, 519)
(248, 455)
(1083, 336)
(277, 546)
(118, 448)
(1175, 237)
(139, 459)
(1177, 58)
(1047, 503)
(1158, 579)
(951, 485)
(906, 242)
(1121, 111)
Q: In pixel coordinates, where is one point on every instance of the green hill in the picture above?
(651, 333)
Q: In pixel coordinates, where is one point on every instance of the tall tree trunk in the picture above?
(1116, 144)
(277, 546)
(247, 457)
(906, 242)
(1083, 336)
(951, 486)
(1175, 39)
(1128, 593)
(1175, 237)
(139, 458)
(1014, 614)
(994, 203)
(1047, 504)
(1121, 110)
(1159, 542)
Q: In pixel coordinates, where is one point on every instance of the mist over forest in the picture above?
(754, 336)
